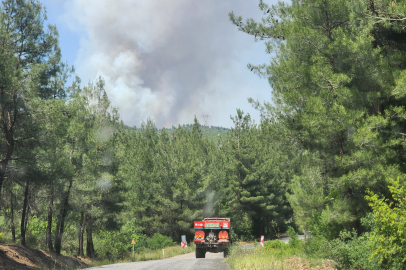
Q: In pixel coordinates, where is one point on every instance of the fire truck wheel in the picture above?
(200, 253)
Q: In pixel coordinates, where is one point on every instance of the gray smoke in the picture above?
(208, 209)
(162, 59)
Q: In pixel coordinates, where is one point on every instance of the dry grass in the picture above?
(149, 255)
(297, 263)
(243, 243)
(259, 259)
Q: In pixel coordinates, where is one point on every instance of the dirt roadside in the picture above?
(25, 258)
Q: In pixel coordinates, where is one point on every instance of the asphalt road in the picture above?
(213, 261)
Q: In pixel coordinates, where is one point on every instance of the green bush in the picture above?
(2, 237)
(112, 244)
(117, 244)
(294, 240)
(323, 225)
(282, 250)
(275, 245)
(159, 241)
(35, 236)
(316, 247)
(352, 252)
(389, 222)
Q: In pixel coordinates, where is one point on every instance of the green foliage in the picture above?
(317, 247)
(35, 231)
(294, 240)
(349, 251)
(213, 133)
(322, 225)
(341, 122)
(2, 237)
(353, 252)
(117, 244)
(282, 250)
(335, 127)
(389, 234)
(255, 180)
(277, 244)
(166, 177)
(113, 244)
(159, 241)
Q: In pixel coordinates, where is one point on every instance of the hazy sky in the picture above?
(167, 60)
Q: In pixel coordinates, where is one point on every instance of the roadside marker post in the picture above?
(183, 242)
(133, 243)
(262, 241)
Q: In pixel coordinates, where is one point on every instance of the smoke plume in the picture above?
(167, 60)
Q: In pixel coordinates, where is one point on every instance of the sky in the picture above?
(165, 60)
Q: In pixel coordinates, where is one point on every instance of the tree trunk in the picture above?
(24, 216)
(60, 226)
(7, 128)
(13, 228)
(49, 225)
(89, 243)
(3, 165)
(89, 238)
(81, 233)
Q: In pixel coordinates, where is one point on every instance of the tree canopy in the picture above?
(333, 129)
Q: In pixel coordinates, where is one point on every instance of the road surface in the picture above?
(213, 261)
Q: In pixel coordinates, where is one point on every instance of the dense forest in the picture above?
(325, 155)
(212, 132)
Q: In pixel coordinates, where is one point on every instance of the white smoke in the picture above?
(162, 59)
(208, 209)
(105, 182)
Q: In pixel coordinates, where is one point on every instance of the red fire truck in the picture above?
(212, 235)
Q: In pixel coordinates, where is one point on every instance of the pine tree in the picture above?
(29, 58)
(335, 67)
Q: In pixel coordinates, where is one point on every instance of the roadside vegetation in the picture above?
(382, 247)
(328, 155)
(146, 255)
(277, 255)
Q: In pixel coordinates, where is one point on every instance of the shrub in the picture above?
(316, 247)
(117, 244)
(282, 250)
(294, 240)
(159, 241)
(352, 252)
(275, 245)
(389, 234)
(35, 236)
(324, 224)
(2, 237)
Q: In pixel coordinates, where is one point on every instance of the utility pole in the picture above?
(205, 118)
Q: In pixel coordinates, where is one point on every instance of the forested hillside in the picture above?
(75, 179)
(212, 132)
